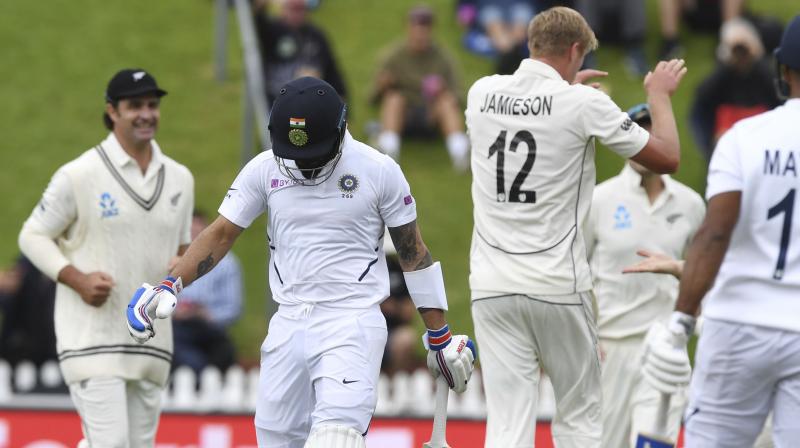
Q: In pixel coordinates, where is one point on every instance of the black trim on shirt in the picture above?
(363, 274)
(130, 349)
(146, 204)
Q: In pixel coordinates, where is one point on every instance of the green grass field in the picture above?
(58, 56)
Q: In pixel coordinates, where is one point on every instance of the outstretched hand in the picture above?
(666, 77)
(585, 75)
(656, 263)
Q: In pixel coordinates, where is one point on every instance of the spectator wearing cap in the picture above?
(742, 85)
(292, 47)
(637, 212)
(416, 87)
(118, 213)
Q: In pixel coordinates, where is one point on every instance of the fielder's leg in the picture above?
(567, 338)
(510, 360)
(144, 408)
(101, 403)
(732, 385)
(619, 374)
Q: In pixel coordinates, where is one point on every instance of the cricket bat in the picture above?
(660, 436)
(438, 435)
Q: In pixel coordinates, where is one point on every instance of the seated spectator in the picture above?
(404, 340)
(741, 85)
(417, 89)
(27, 299)
(505, 23)
(705, 15)
(621, 21)
(205, 310)
(291, 47)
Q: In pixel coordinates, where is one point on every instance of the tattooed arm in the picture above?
(413, 256)
(206, 250)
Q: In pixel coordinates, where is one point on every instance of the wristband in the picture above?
(438, 339)
(426, 287)
(171, 284)
(681, 323)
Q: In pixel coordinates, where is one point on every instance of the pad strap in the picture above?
(172, 284)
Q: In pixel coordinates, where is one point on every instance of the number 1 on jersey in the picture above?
(785, 206)
(516, 194)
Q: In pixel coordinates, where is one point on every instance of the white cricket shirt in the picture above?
(622, 221)
(100, 213)
(759, 280)
(532, 136)
(325, 241)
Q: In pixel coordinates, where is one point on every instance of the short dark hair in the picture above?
(107, 121)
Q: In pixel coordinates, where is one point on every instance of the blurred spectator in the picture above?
(742, 85)
(27, 299)
(402, 345)
(291, 47)
(416, 86)
(706, 15)
(504, 23)
(205, 310)
(621, 21)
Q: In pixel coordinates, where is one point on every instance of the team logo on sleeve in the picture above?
(627, 124)
(348, 184)
(108, 206)
(297, 134)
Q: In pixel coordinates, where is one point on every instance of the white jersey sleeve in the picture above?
(246, 199)
(51, 217)
(396, 205)
(725, 170)
(604, 120)
(186, 229)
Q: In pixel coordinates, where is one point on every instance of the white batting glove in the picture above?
(450, 356)
(666, 363)
(149, 303)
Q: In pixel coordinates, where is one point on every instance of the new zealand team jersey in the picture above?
(325, 241)
(532, 136)
(759, 280)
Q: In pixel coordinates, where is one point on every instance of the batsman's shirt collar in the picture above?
(122, 160)
(539, 68)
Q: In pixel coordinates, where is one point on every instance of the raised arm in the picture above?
(662, 153)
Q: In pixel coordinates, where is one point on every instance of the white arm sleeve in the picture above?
(426, 287)
(397, 206)
(724, 170)
(54, 213)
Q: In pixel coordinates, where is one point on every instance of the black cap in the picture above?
(307, 119)
(640, 113)
(131, 82)
(788, 53)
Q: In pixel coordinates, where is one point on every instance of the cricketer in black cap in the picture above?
(787, 56)
(307, 125)
(129, 83)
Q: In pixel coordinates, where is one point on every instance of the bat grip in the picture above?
(438, 436)
(661, 415)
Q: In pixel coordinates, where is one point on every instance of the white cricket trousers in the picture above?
(741, 373)
(117, 413)
(630, 404)
(518, 337)
(319, 365)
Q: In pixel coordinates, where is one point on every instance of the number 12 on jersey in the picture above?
(516, 194)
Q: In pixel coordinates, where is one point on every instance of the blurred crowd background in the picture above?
(402, 66)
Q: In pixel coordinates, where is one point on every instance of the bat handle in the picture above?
(438, 436)
(662, 414)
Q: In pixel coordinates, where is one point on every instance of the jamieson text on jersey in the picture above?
(509, 105)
